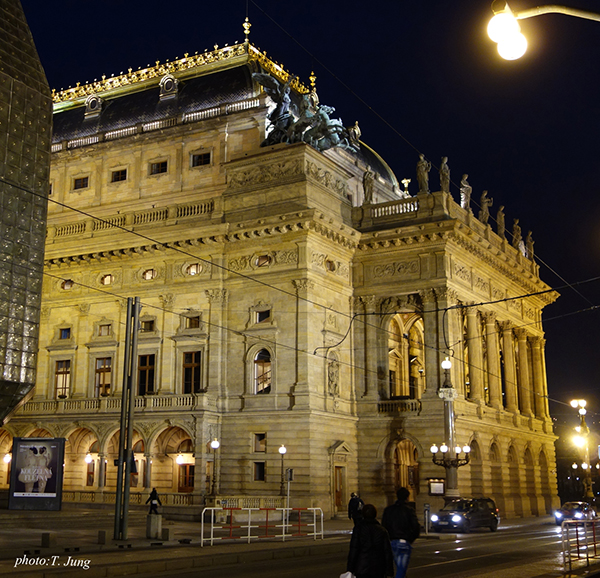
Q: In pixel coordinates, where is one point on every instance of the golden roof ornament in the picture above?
(246, 26)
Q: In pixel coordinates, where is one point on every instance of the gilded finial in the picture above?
(313, 80)
(246, 26)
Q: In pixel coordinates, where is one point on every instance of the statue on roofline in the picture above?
(310, 122)
(465, 193)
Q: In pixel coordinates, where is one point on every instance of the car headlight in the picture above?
(558, 515)
(434, 517)
(456, 518)
(578, 515)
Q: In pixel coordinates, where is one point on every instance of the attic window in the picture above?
(168, 87)
(158, 168)
(199, 160)
(81, 183)
(93, 106)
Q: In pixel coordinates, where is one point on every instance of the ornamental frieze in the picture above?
(264, 173)
(328, 264)
(481, 284)
(325, 178)
(276, 257)
(462, 272)
(403, 268)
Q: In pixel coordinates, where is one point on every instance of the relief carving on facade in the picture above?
(264, 173)
(329, 265)
(462, 272)
(167, 300)
(303, 285)
(404, 268)
(325, 178)
(481, 284)
(216, 295)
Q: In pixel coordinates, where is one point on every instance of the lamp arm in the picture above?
(555, 9)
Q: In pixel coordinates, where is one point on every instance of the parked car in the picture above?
(574, 511)
(463, 514)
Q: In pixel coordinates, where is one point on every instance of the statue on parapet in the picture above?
(529, 245)
(500, 221)
(368, 182)
(485, 203)
(445, 175)
(465, 193)
(517, 239)
(423, 168)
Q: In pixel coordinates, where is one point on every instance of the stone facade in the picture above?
(277, 309)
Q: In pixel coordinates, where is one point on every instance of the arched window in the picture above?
(262, 372)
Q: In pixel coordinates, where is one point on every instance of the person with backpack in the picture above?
(400, 520)
(355, 506)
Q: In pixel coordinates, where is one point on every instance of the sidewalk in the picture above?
(77, 549)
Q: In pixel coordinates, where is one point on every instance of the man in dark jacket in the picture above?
(401, 522)
(355, 506)
(370, 553)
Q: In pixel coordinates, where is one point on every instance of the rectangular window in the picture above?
(186, 478)
(65, 333)
(192, 382)
(62, 378)
(104, 330)
(147, 326)
(259, 472)
(158, 168)
(103, 376)
(118, 176)
(89, 479)
(81, 183)
(260, 442)
(192, 322)
(263, 316)
(200, 160)
(146, 369)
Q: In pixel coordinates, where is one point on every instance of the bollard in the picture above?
(101, 536)
(48, 539)
(153, 526)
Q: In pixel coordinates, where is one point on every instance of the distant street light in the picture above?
(215, 444)
(450, 460)
(282, 451)
(581, 441)
(504, 28)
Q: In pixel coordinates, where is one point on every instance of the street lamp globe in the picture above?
(215, 444)
(503, 25)
(466, 449)
(446, 364)
(282, 450)
(444, 448)
(434, 449)
(512, 47)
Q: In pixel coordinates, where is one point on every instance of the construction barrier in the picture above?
(579, 542)
(249, 524)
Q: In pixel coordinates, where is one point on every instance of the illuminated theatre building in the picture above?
(279, 305)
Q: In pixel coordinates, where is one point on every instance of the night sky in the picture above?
(420, 77)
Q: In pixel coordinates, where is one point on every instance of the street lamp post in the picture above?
(450, 458)
(582, 441)
(282, 451)
(504, 27)
(215, 445)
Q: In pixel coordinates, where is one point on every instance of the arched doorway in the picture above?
(406, 467)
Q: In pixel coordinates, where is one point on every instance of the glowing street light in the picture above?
(504, 27)
(215, 445)
(581, 441)
(282, 451)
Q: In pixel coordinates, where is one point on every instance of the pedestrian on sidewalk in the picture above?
(154, 501)
(370, 554)
(400, 520)
(355, 506)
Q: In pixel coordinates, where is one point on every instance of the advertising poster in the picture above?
(36, 474)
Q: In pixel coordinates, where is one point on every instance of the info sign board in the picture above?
(36, 474)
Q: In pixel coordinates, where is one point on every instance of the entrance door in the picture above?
(339, 487)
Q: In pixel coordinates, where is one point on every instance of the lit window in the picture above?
(194, 269)
(62, 378)
(118, 176)
(192, 380)
(147, 326)
(262, 372)
(67, 284)
(146, 370)
(202, 159)
(186, 478)
(158, 168)
(192, 322)
(259, 471)
(263, 260)
(260, 442)
(107, 279)
(103, 376)
(81, 183)
(64, 333)
(149, 274)
(104, 330)
(89, 478)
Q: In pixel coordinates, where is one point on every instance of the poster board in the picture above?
(36, 474)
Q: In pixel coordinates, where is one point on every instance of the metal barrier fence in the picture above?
(579, 542)
(255, 523)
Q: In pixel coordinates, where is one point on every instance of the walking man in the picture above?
(400, 520)
(355, 506)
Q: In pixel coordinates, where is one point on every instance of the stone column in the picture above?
(217, 343)
(101, 470)
(510, 373)
(493, 360)
(525, 384)
(475, 354)
(539, 391)
(430, 337)
(148, 472)
(371, 349)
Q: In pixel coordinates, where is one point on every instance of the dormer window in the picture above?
(168, 87)
(262, 316)
(93, 106)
